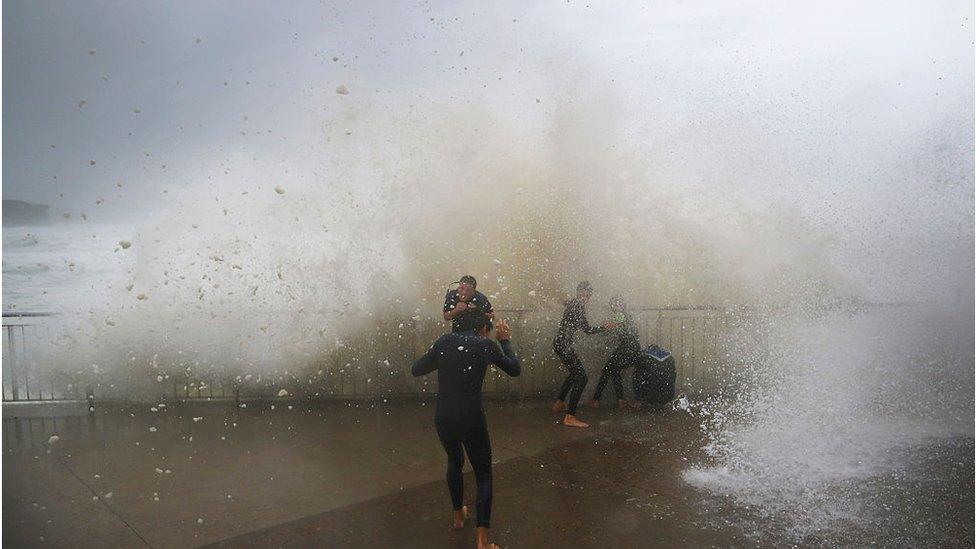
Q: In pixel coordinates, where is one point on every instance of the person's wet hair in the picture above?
(474, 323)
(468, 279)
(584, 286)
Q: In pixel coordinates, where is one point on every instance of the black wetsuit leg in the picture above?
(568, 382)
(575, 381)
(566, 387)
(617, 362)
(604, 376)
(478, 447)
(622, 357)
(618, 384)
(455, 462)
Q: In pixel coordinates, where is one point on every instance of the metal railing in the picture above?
(378, 365)
(24, 380)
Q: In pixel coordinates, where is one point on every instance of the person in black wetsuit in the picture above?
(465, 303)
(461, 360)
(574, 318)
(626, 353)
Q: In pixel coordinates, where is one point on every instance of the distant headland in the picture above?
(19, 213)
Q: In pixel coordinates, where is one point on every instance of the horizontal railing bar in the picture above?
(691, 332)
(31, 314)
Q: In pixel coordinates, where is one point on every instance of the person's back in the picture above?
(573, 320)
(628, 335)
(567, 323)
(461, 360)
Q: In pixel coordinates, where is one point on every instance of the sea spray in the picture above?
(239, 278)
(827, 401)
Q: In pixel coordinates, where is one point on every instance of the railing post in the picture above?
(15, 389)
(660, 315)
(24, 362)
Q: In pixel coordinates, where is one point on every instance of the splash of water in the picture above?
(269, 271)
(831, 401)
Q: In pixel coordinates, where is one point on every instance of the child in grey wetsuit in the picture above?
(626, 353)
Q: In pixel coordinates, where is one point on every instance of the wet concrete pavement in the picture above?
(131, 476)
(355, 474)
(591, 492)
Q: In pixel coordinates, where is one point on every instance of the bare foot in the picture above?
(636, 406)
(559, 406)
(592, 403)
(623, 404)
(571, 421)
(483, 542)
(460, 517)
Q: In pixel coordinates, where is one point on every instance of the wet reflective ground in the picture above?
(353, 474)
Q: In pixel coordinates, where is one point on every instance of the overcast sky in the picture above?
(150, 95)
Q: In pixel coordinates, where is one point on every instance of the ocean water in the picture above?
(62, 268)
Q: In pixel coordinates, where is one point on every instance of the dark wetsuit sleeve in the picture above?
(427, 363)
(450, 300)
(504, 358)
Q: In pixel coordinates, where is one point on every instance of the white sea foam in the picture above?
(832, 400)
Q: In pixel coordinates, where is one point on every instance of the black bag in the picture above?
(654, 377)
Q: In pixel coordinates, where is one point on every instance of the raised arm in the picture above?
(428, 362)
(504, 357)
